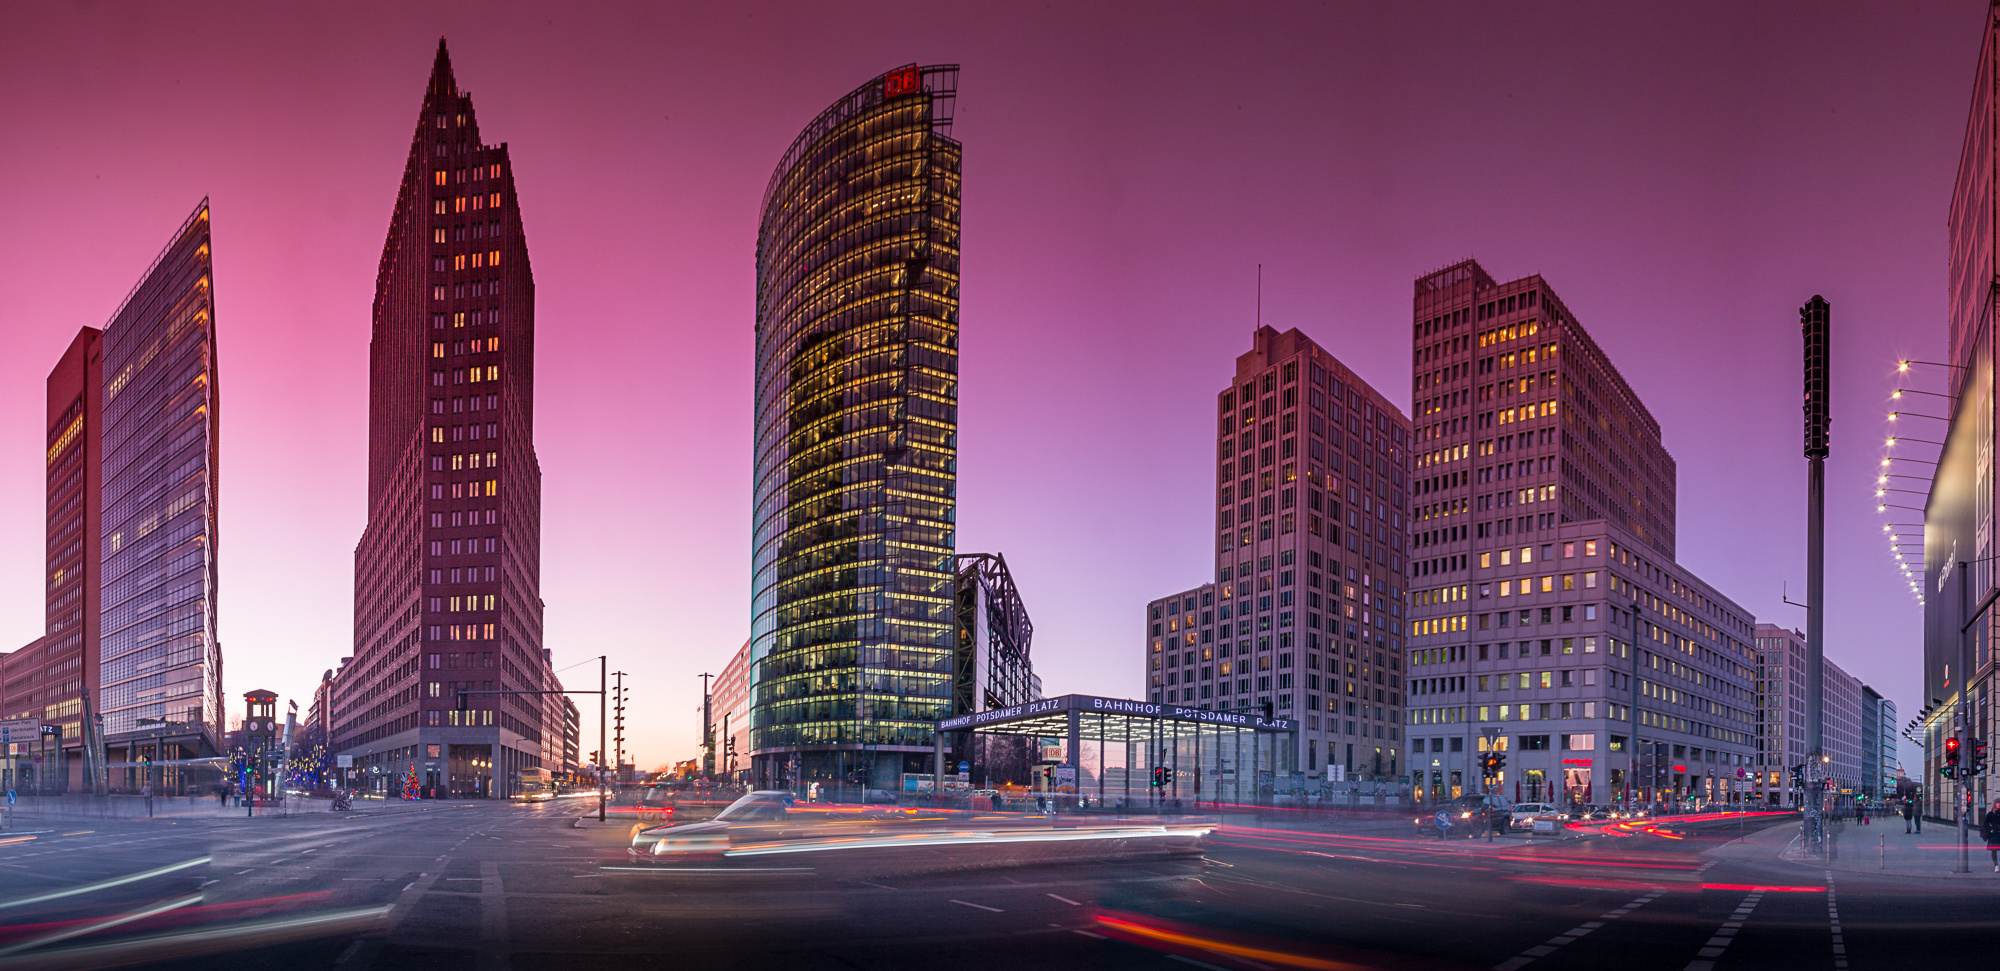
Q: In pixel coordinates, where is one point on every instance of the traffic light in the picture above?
(1494, 763)
(1978, 756)
(1159, 776)
(1950, 767)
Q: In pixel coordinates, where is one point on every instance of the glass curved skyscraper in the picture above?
(856, 450)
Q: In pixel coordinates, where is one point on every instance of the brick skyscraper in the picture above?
(447, 575)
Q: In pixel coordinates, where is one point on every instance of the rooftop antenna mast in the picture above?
(1260, 296)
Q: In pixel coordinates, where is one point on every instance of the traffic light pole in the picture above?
(1966, 745)
(603, 699)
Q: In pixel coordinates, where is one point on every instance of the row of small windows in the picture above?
(468, 517)
(460, 433)
(490, 372)
(477, 173)
(444, 207)
(462, 547)
(460, 348)
(481, 260)
(464, 490)
(470, 288)
(471, 602)
(490, 402)
(461, 632)
(469, 574)
(467, 460)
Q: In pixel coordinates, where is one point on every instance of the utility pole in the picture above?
(618, 721)
(707, 732)
(603, 706)
(1815, 327)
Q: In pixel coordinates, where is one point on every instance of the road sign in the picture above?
(1443, 819)
(9, 727)
(343, 761)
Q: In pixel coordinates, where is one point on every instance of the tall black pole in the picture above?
(1815, 325)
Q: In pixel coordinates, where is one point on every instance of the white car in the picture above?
(763, 807)
(1525, 812)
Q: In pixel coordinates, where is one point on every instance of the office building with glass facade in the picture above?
(852, 614)
(160, 664)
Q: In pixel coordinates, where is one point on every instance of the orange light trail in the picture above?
(1140, 933)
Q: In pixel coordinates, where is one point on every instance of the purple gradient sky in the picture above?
(1684, 175)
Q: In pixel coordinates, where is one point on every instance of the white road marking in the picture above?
(1569, 936)
(1066, 900)
(1711, 950)
(963, 903)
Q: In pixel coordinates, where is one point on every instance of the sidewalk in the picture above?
(1883, 847)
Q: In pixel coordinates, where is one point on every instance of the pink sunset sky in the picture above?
(1685, 176)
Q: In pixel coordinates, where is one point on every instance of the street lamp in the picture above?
(1893, 439)
(1905, 365)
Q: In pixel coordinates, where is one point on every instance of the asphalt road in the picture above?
(476, 885)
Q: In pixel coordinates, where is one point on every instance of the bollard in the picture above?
(1884, 864)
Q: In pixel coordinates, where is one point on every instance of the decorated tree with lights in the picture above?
(410, 783)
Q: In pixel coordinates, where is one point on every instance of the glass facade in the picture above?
(856, 450)
(159, 655)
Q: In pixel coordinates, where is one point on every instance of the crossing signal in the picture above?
(1159, 776)
(1950, 767)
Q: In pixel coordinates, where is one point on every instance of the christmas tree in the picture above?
(410, 783)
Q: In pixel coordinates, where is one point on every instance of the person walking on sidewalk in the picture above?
(1991, 830)
(1911, 817)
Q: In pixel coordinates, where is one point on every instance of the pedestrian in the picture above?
(1909, 815)
(1991, 830)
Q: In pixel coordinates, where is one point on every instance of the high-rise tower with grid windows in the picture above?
(447, 574)
(853, 535)
(1548, 617)
(1307, 614)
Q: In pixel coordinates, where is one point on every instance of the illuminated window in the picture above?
(440, 176)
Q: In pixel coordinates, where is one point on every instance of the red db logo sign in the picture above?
(899, 82)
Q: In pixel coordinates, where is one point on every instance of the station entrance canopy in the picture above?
(1111, 748)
